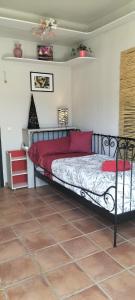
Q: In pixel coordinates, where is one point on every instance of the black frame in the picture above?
(114, 146)
(42, 89)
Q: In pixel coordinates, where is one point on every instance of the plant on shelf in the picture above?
(81, 51)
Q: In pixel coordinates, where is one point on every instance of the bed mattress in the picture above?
(86, 173)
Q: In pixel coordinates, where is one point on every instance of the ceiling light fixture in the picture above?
(45, 28)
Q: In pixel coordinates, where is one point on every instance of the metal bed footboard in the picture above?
(118, 148)
(112, 146)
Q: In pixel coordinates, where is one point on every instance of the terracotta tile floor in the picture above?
(54, 248)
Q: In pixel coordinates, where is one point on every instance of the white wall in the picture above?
(15, 94)
(95, 89)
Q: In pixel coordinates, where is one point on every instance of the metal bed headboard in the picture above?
(50, 134)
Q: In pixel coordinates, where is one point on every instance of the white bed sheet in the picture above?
(86, 172)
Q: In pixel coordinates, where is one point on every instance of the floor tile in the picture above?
(21, 198)
(74, 214)
(11, 249)
(99, 266)
(70, 198)
(26, 192)
(127, 230)
(104, 238)
(62, 206)
(93, 293)
(65, 232)
(24, 228)
(43, 217)
(68, 279)
(17, 269)
(25, 196)
(88, 225)
(124, 254)
(16, 218)
(35, 289)
(2, 297)
(37, 240)
(17, 207)
(54, 198)
(6, 234)
(80, 247)
(104, 220)
(32, 203)
(132, 241)
(121, 287)
(52, 258)
(133, 269)
(52, 222)
(3, 221)
(42, 211)
(46, 191)
(5, 203)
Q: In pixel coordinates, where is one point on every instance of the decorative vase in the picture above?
(17, 50)
(83, 53)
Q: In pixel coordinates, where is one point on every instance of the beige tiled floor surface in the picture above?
(54, 248)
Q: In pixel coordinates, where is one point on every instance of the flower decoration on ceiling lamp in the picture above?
(45, 28)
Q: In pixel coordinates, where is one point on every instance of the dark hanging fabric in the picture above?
(33, 119)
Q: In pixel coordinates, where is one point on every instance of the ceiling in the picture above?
(86, 15)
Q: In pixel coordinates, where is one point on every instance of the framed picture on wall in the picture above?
(41, 82)
(45, 52)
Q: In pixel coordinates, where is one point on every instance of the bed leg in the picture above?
(35, 182)
(115, 235)
(35, 186)
(115, 205)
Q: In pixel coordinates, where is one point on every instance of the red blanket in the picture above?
(45, 161)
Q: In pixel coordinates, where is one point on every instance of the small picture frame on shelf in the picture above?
(41, 82)
(45, 52)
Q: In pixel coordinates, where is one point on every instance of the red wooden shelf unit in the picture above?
(17, 169)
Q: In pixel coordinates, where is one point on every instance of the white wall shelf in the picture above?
(16, 173)
(80, 60)
(70, 62)
(18, 158)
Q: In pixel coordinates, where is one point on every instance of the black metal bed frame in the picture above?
(114, 146)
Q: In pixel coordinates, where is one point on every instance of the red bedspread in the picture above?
(45, 161)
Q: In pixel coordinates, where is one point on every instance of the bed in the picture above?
(99, 169)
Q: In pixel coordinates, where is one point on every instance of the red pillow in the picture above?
(41, 148)
(33, 153)
(81, 141)
(110, 165)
